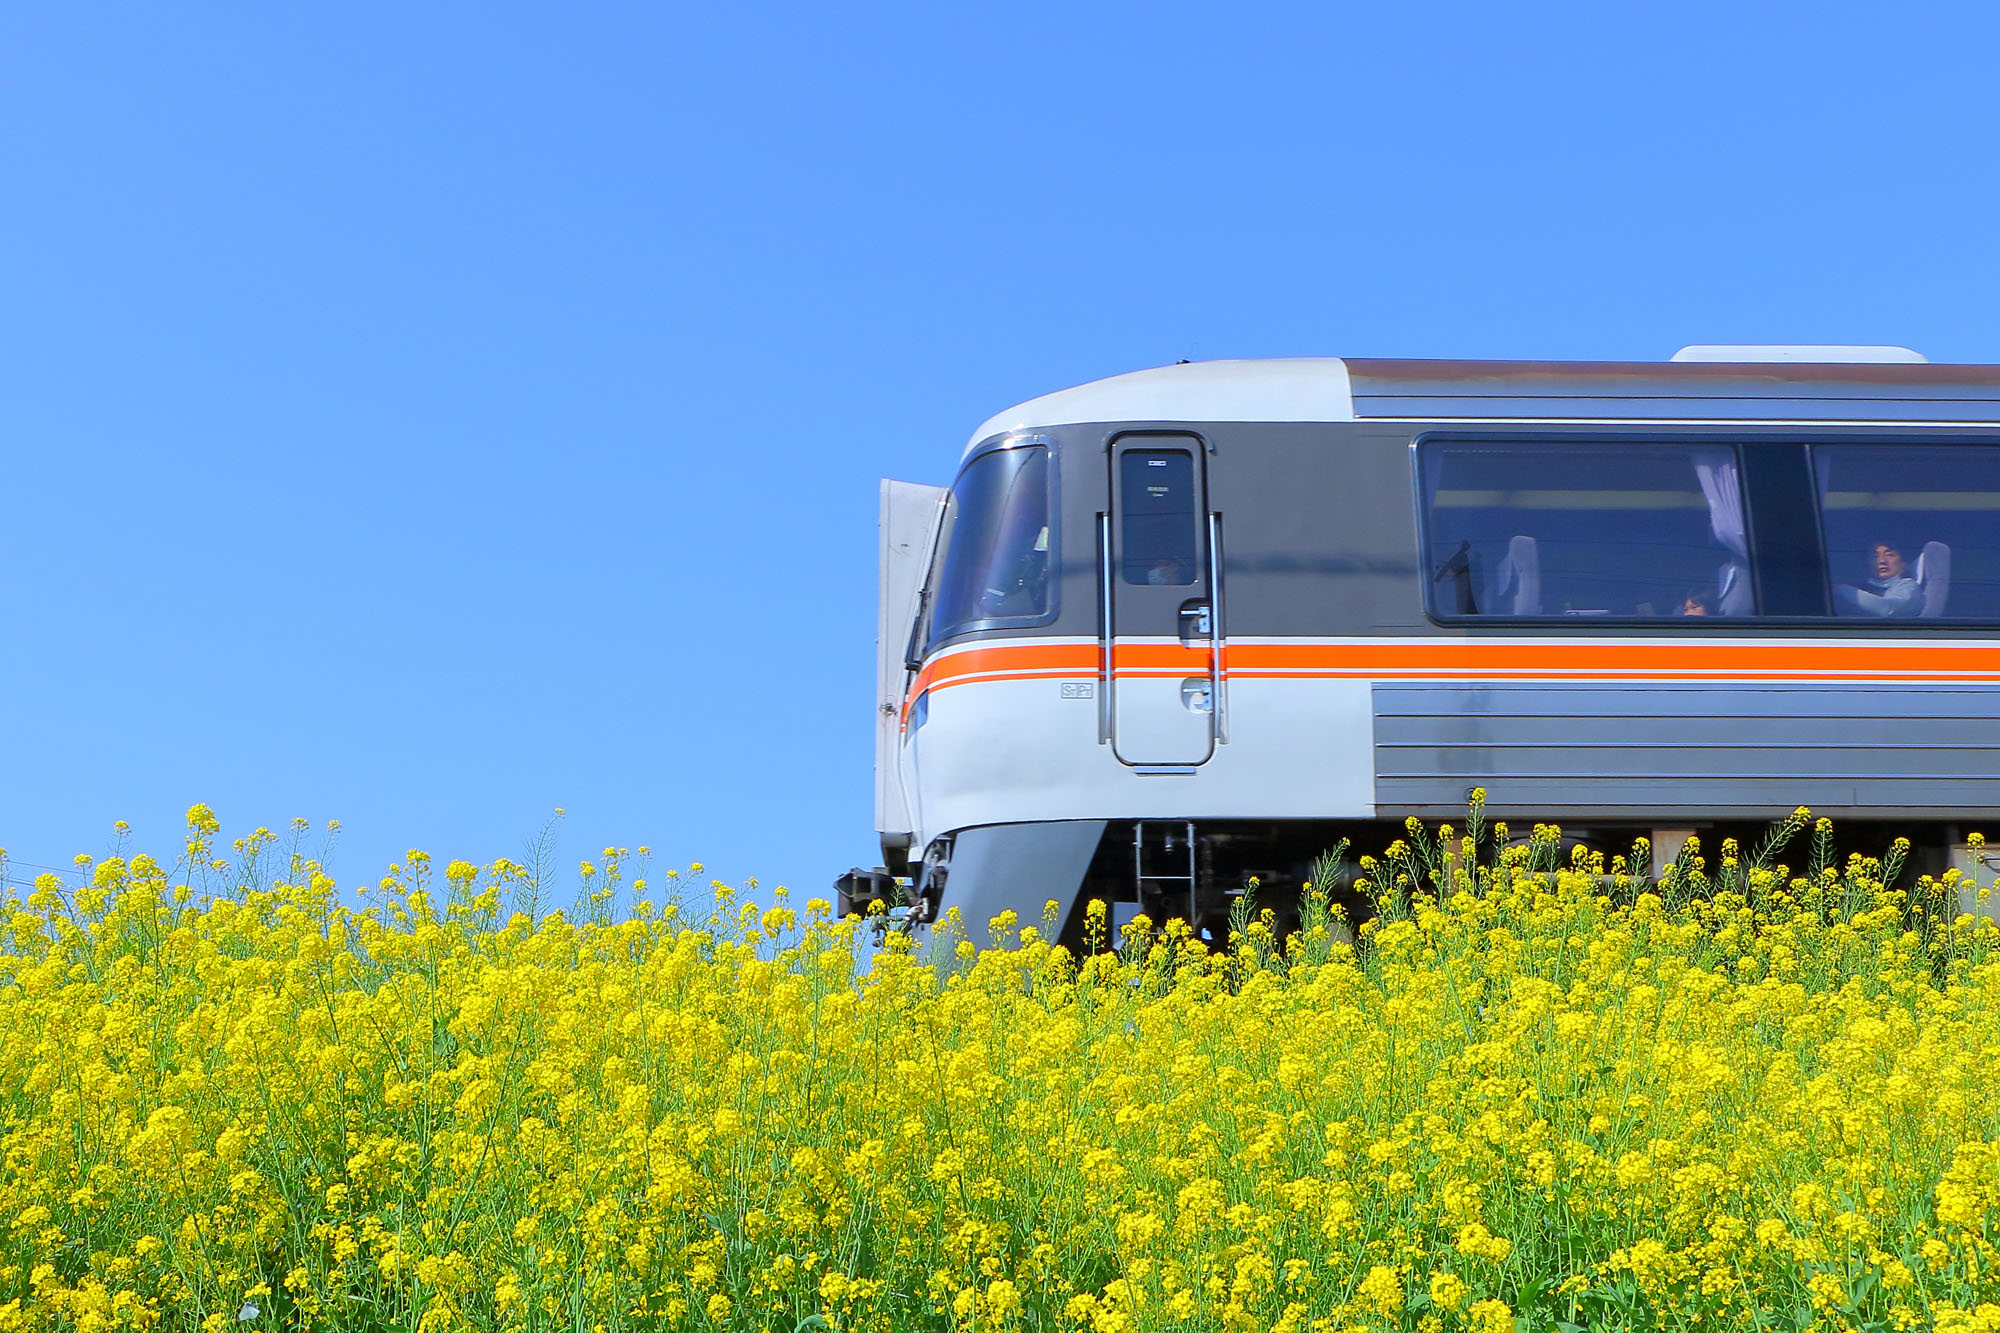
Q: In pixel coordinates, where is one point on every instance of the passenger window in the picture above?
(996, 543)
(1912, 531)
(1157, 531)
(1591, 528)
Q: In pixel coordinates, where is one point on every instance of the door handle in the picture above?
(1104, 629)
(1197, 621)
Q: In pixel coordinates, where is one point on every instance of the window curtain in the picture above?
(1720, 486)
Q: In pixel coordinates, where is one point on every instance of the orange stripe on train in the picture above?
(1461, 659)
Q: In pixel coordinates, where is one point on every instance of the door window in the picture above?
(1158, 535)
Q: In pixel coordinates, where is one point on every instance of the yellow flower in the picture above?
(703, 1114)
(1381, 1290)
(1448, 1290)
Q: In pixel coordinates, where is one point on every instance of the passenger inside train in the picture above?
(1939, 558)
(1893, 590)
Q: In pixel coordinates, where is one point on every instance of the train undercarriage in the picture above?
(1214, 874)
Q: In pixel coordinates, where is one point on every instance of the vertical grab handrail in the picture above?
(1217, 705)
(1104, 629)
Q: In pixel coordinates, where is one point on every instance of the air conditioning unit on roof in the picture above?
(1825, 355)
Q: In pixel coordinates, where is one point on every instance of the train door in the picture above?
(1162, 635)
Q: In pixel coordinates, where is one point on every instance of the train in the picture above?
(1170, 635)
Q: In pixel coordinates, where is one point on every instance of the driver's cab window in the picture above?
(1592, 528)
(997, 543)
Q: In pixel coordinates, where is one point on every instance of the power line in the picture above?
(71, 871)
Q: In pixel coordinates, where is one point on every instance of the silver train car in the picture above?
(1180, 628)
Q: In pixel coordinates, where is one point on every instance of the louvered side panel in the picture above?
(1689, 749)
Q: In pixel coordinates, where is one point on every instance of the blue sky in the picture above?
(427, 416)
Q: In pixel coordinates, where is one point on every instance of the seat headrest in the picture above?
(1933, 575)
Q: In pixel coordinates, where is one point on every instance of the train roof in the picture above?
(1858, 385)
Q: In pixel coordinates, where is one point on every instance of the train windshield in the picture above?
(1585, 529)
(996, 545)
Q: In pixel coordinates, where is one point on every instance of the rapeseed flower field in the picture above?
(1539, 1089)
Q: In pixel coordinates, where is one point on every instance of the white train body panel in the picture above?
(1012, 751)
